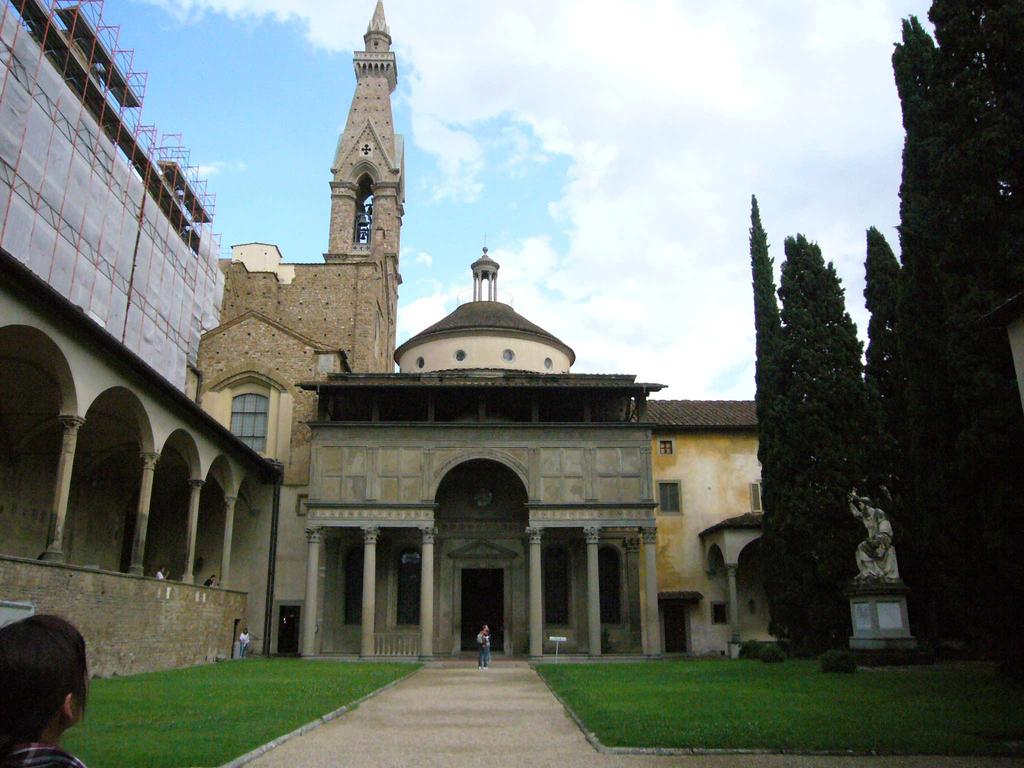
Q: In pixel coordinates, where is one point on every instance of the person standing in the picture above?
(243, 643)
(45, 685)
(483, 642)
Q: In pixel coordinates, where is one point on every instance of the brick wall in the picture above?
(130, 624)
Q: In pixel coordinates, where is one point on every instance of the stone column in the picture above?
(593, 536)
(149, 461)
(309, 611)
(633, 588)
(734, 605)
(229, 530)
(536, 602)
(62, 488)
(652, 630)
(427, 593)
(195, 489)
(370, 534)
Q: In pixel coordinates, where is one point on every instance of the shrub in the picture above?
(838, 660)
(772, 654)
(751, 649)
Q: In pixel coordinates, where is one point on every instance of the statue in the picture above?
(876, 555)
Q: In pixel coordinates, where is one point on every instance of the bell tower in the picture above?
(367, 199)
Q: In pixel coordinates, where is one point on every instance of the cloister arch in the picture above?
(33, 347)
(502, 459)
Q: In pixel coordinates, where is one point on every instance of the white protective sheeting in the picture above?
(70, 210)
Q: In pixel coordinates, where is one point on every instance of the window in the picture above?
(719, 614)
(460, 355)
(668, 497)
(408, 587)
(609, 585)
(665, 447)
(249, 420)
(420, 362)
(556, 586)
(508, 355)
(354, 586)
(548, 363)
(755, 497)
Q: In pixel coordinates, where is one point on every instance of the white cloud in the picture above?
(208, 170)
(669, 115)
(424, 258)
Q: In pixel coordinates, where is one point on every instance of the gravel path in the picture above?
(505, 716)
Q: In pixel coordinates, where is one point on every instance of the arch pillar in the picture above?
(651, 625)
(309, 617)
(370, 534)
(62, 488)
(195, 490)
(592, 535)
(427, 593)
(149, 460)
(534, 534)
(229, 529)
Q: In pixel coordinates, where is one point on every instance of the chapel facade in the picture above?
(484, 482)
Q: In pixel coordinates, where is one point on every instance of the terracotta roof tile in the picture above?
(703, 414)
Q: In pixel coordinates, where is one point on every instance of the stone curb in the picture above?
(595, 742)
(248, 757)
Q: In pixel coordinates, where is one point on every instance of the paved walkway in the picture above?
(459, 716)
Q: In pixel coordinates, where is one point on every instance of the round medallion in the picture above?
(483, 497)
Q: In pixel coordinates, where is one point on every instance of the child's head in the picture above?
(45, 679)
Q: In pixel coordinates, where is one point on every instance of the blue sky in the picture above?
(606, 149)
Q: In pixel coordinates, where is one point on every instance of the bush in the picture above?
(838, 660)
(751, 649)
(772, 654)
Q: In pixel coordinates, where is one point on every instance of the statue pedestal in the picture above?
(881, 624)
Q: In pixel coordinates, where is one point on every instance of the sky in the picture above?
(604, 150)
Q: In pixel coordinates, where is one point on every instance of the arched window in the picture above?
(249, 420)
(364, 211)
(408, 587)
(354, 586)
(556, 585)
(609, 585)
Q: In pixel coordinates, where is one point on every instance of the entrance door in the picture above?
(288, 629)
(483, 602)
(675, 627)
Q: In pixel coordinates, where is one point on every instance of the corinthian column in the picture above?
(593, 536)
(149, 461)
(195, 489)
(309, 611)
(536, 605)
(370, 534)
(229, 532)
(652, 627)
(427, 593)
(62, 488)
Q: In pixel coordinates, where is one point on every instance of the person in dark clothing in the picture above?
(45, 684)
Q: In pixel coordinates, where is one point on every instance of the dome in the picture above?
(484, 333)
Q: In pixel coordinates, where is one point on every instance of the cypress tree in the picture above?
(810, 536)
(883, 372)
(962, 223)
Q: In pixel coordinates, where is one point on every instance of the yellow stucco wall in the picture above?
(714, 470)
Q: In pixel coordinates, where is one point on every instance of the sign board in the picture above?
(554, 639)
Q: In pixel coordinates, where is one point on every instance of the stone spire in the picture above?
(378, 36)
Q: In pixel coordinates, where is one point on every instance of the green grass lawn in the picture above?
(207, 715)
(746, 704)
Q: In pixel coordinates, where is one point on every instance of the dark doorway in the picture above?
(288, 629)
(483, 602)
(675, 626)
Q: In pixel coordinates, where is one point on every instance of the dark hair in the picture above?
(42, 660)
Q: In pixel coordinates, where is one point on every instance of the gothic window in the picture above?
(364, 211)
(249, 420)
(609, 585)
(354, 586)
(556, 586)
(408, 587)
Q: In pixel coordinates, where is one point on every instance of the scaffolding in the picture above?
(106, 210)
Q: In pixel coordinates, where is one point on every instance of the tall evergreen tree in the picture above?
(810, 536)
(883, 371)
(766, 328)
(962, 225)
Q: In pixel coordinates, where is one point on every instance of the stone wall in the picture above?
(130, 624)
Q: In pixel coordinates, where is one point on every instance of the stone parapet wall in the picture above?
(130, 624)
